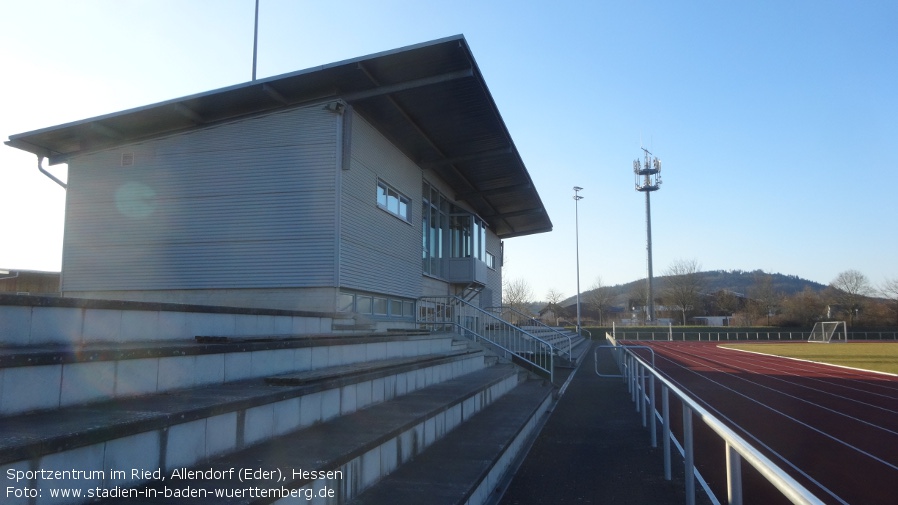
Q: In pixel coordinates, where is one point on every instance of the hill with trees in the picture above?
(685, 295)
(736, 281)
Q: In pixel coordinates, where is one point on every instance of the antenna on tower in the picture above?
(648, 180)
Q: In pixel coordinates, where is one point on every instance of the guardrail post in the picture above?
(665, 429)
(689, 462)
(640, 406)
(734, 476)
(652, 410)
(551, 366)
(637, 370)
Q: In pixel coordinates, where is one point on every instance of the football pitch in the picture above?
(880, 357)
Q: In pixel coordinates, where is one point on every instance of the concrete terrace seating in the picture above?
(566, 342)
(126, 414)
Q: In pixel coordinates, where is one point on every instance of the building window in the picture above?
(434, 220)
(392, 201)
(467, 236)
(363, 304)
(346, 302)
(380, 306)
(377, 306)
(449, 232)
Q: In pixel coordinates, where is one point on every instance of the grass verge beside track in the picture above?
(880, 357)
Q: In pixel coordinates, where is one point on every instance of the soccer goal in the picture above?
(828, 331)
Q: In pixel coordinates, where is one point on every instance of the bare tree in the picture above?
(554, 296)
(850, 290)
(889, 290)
(727, 302)
(765, 295)
(516, 293)
(600, 298)
(803, 308)
(683, 285)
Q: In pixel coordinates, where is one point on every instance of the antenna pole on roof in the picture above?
(255, 39)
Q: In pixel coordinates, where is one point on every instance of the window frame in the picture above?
(393, 202)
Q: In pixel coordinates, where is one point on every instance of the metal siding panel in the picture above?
(245, 204)
(494, 277)
(380, 252)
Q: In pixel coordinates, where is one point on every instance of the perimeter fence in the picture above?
(639, 372)
(721, 336)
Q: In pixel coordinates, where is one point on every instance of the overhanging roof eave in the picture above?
(445, 67)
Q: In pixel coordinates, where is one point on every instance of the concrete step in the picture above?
(581, 346)
(468, 465)
(44, 377)
(180, 428)
(358, 449)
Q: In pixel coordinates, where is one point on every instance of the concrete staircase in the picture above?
(251, 418)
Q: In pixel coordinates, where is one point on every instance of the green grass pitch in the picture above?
(881, 357)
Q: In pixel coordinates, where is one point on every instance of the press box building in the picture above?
(357, 186)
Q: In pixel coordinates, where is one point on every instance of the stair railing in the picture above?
(522, 319)
(453, 314)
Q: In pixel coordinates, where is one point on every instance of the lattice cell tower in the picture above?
(648, 179)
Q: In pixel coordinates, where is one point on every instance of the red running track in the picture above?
(833, 429)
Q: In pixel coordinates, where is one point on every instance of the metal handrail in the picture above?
(634, 368)
(538, 323)
(454, 313)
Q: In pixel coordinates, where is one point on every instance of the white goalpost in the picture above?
(828, 331)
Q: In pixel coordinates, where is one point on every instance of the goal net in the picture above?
(828, 331)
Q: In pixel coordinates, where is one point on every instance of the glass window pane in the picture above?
(475, 249)
(363, 304)
(433, 244)
(380, 306)
(482, 249)
(395, 307)
(393, 202)
(403, 207)
(344, 303)
(382, 194)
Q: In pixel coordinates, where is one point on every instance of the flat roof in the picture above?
(429, 99)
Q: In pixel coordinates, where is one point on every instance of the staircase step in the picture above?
(53, 376)
(185, 426)
(466, 466)
(363, 446)
(355, 369)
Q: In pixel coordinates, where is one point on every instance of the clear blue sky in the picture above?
(776, 122)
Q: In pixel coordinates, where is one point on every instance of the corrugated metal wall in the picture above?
(379, 252)
(245, 204)
(494, 276)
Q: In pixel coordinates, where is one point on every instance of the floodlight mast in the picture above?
(577, 198)
(651, 181)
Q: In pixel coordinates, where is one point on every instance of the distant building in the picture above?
(357, 186)
(714, 320)
(29, 282)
